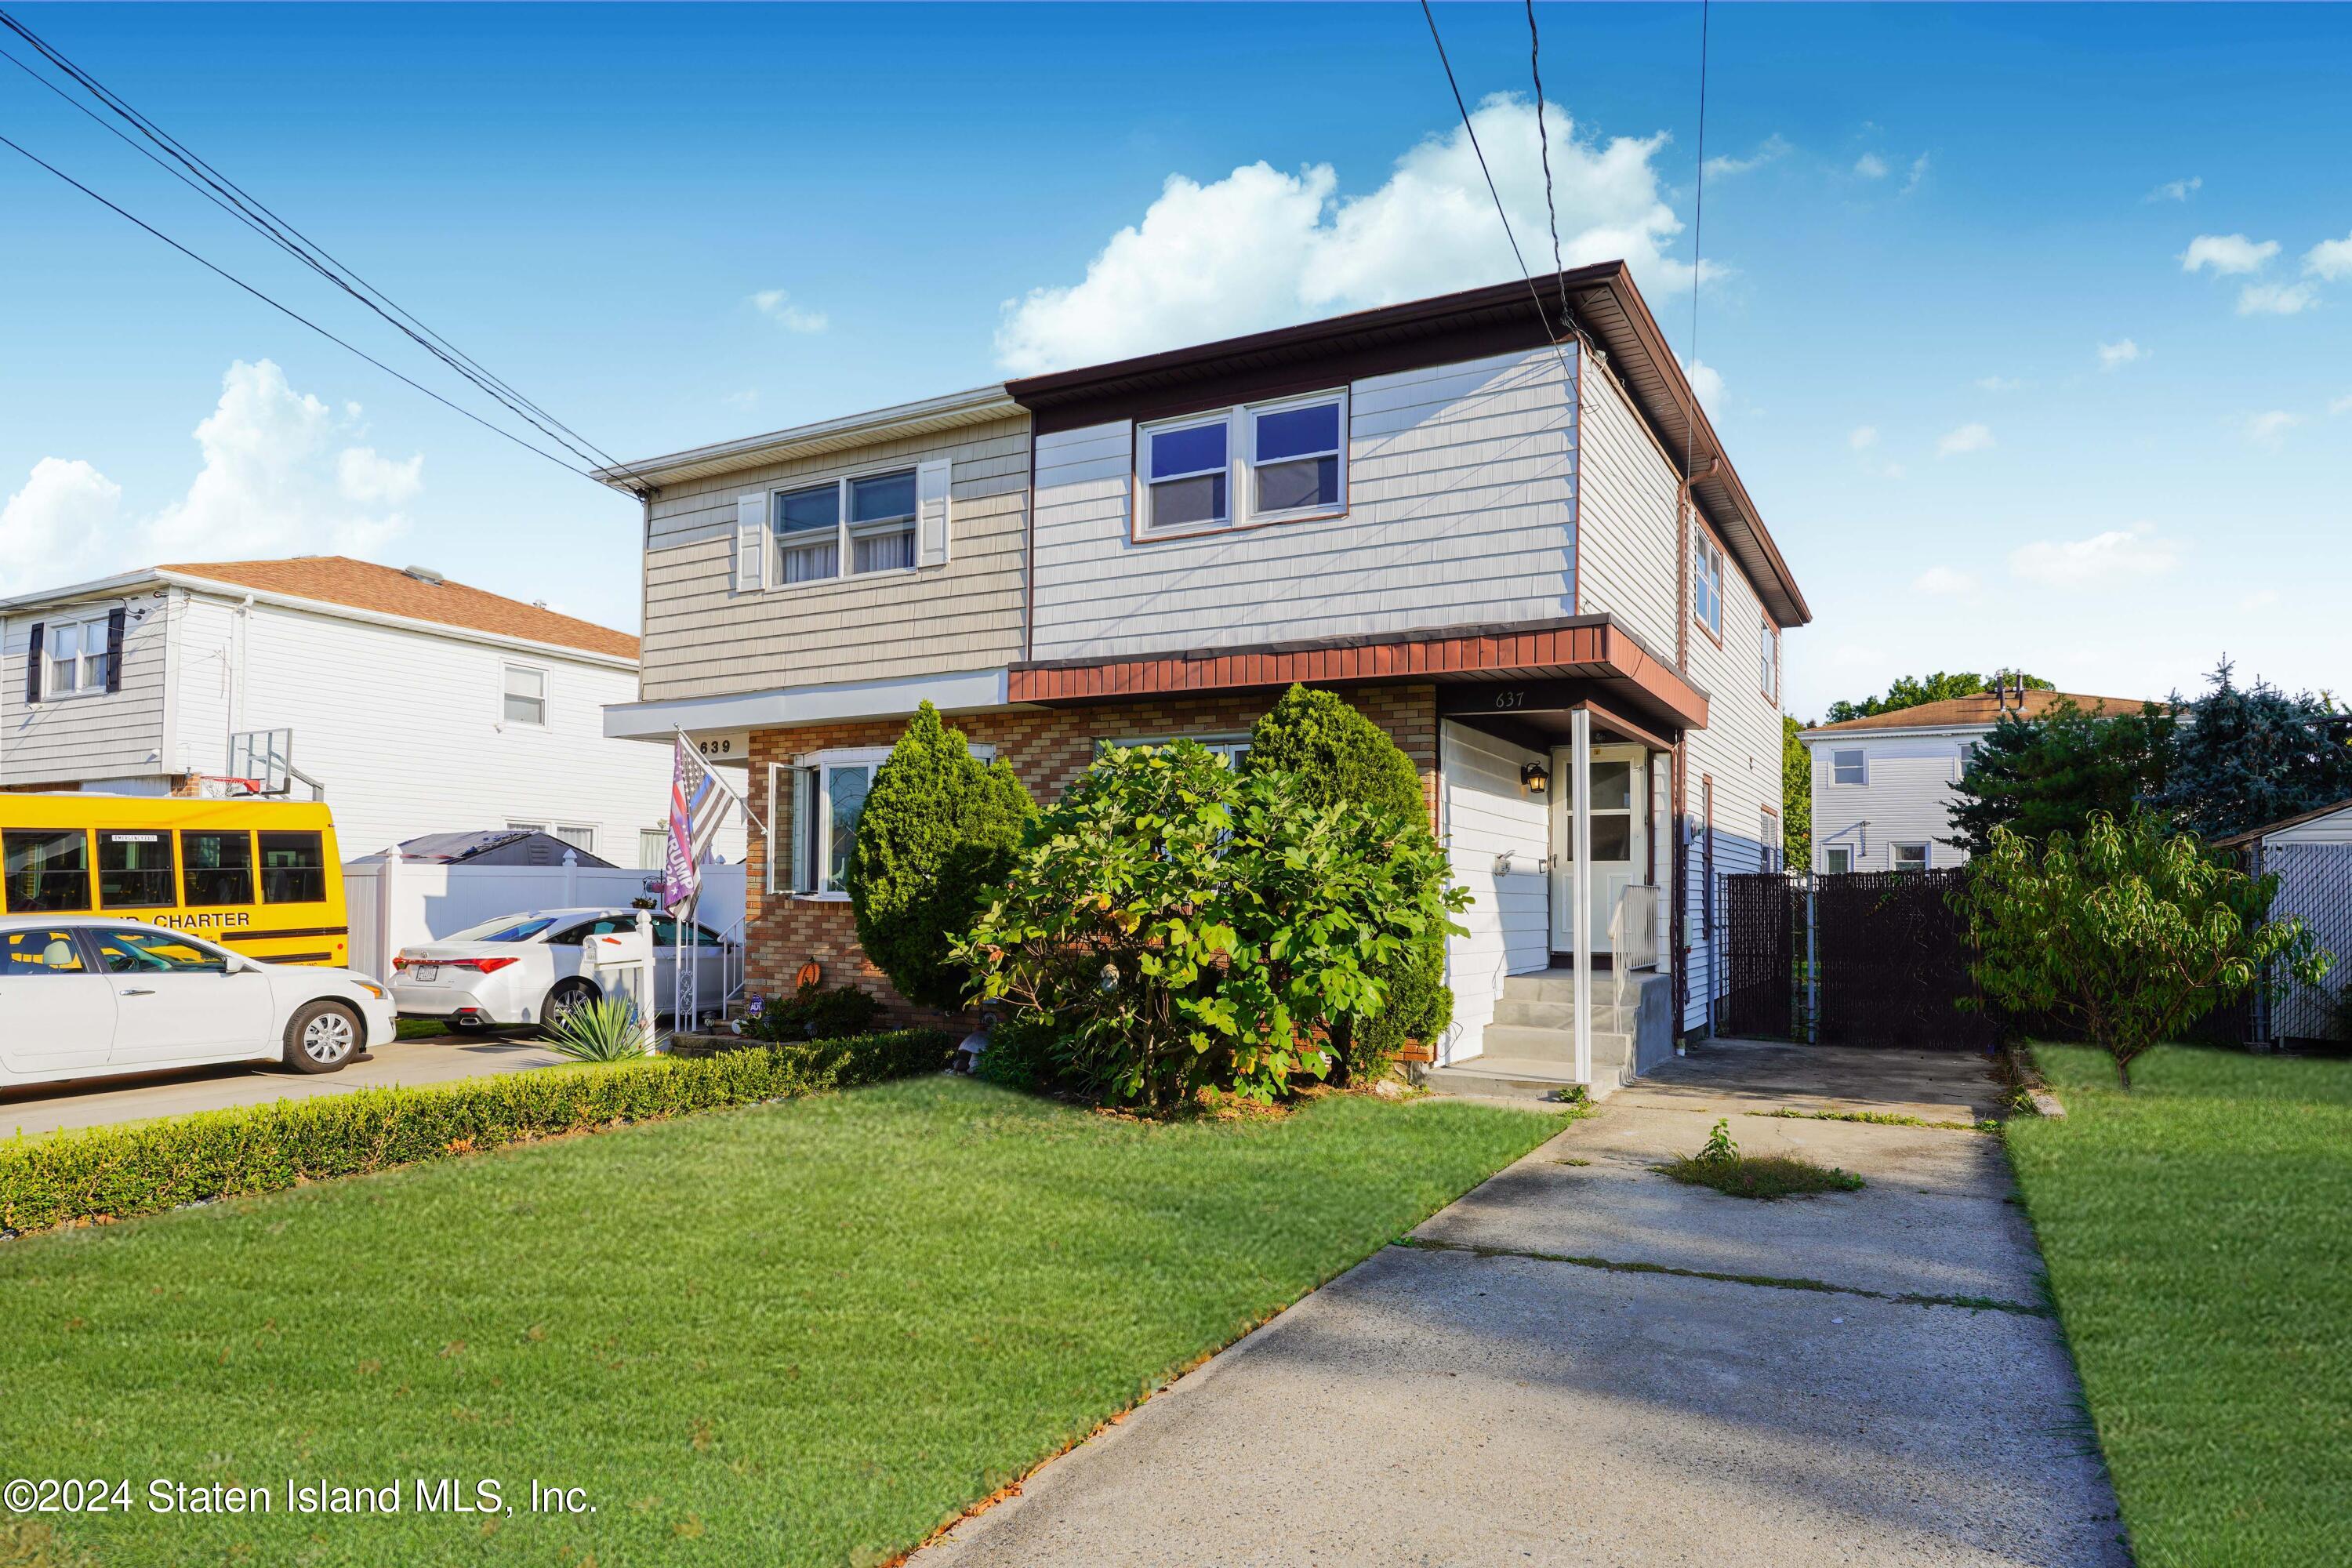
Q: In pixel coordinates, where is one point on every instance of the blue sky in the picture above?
(1996, 400)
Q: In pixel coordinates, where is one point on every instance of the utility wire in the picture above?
(1500, 212)
(234, 199)
(285, 311)
(1699, 229)
(1543, 143)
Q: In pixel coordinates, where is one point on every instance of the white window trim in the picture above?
(82, 622)
(1927, 855)
(1241, 464)
(844, 553)
(1830, 850)
(1769, 661)
(1861, 782)
(871, 757)
(1708, 551)
(546, 695)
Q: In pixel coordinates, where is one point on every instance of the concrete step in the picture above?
(1559, 984)
(1540, 1014)
(1553, 1045)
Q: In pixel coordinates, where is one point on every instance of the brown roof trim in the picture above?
(1588, 647)
(1601, 299)
(2284, 823)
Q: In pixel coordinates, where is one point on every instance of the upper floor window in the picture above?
(526, 696)
(1768, 662)
(1259, 462)
(1848, 768)
(75, 655)
(868, 521)
(1707, 587)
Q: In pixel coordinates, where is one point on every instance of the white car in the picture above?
(85, 997)
(533, 968)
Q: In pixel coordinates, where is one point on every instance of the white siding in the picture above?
(1462, 501)
(1487, 813)
(2335, 827)
(1626, 496)
(203, 713)
(1907, 800)
(116, 734)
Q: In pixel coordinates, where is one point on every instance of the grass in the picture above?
(1762, 1176)
(2199, 1233)
(805, 1333)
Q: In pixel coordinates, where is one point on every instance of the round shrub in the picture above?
(1340, 757)
(937, 830)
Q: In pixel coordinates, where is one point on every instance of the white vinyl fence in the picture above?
(394, 904)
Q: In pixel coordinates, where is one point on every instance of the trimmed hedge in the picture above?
(114, 1173)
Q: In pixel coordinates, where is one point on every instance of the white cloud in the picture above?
(2227, 252)
(2330, 259)
(2118, 355)
(1870, 166)
(777, 306)
(277, 479)
(2269, 430)
(747, 398)
(1862, 437)
(1998, 383)
(2108, 557)
(49, 530)
(1946, 583)
(2260, 599)
(2276, 298)
(1771, 150)
(2340, 404)
(1966, 439)
(1707, 381)
(2175, 190)
(1261, 247)
(1919, 173)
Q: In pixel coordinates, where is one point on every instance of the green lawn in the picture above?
(805, 1333)
(2198, 1232)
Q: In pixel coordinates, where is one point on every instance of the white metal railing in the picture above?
(1632, 939)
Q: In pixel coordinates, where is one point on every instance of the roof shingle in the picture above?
(1960, 712)
(389, 591)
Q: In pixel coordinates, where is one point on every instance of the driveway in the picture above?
(1583, 1363)
(46, 1108)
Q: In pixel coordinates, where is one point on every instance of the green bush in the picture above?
(1022, 1054)
(937, 830)
(114, 1173)
(1340, 757)
(811, 1013)
(1185, 927)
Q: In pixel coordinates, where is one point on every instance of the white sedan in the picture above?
(533, 968)
(84, 997)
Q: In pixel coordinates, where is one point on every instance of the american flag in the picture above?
(699, 799)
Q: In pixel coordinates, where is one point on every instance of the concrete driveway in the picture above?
(1583, 1363)
(94, 1102)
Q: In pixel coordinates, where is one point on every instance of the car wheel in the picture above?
(322, 1036)
(568, 997)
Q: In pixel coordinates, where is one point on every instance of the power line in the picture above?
(1698, 229)
(1500, 212)
(287, 311)
(234, 199)
(1543, 143)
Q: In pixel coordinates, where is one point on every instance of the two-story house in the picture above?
(1501, 525)
(1885, 785)
(412, 703)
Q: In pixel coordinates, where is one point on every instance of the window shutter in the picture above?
(932, 509)
(750, 542)
(115, 620)
(804, 830)
(33, 662)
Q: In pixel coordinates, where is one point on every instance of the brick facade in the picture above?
(1048, 748)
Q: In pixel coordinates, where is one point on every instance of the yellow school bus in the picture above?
(263, 877)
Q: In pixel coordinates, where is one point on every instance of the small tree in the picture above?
(1796, 797)
(937, 830)
(1180, 925)
(2056, 771)
(1339, 757)
(2129, 933)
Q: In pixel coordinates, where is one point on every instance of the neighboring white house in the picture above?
(414, 704)
(1884, 785)
(2311, 856)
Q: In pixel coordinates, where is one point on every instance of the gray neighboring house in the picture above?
(2311, 854)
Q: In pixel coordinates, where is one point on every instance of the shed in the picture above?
(494, 846)
(2311, 854)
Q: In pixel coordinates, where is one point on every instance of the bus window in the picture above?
(217, 868)
(293, 868)
(134, 870)
(46, 870)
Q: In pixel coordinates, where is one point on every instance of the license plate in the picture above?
(427, 972)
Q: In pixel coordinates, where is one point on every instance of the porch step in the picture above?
(1559, 986)
(1537, 1013)
(1553, 1045)
(1536, 1061)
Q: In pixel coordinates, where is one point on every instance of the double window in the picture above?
(1706, 584)
(868, 521)
(1911, 857)
(1258, 462)
(78, 656)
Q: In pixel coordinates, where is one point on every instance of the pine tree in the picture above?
(2249, 755)
(2036, 776)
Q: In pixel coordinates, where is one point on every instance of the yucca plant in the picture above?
(604, 1030)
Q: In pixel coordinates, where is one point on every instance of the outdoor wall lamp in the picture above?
(1535, 777)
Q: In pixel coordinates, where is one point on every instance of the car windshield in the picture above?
(506, 928)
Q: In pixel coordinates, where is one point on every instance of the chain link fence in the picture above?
(2315, 883)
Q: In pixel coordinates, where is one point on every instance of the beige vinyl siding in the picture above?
(702, 638)
(110, 735)
(1461, 494)
(1907, 798)
(1626, 518)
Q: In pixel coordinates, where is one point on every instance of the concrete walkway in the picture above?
(1549, 1375)
(96, 1102)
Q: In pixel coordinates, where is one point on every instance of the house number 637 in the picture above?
(1510, 699)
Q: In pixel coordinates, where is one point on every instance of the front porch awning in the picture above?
(1523, 673)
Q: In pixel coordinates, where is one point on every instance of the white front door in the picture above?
(57, 1012)
(1619, 837)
